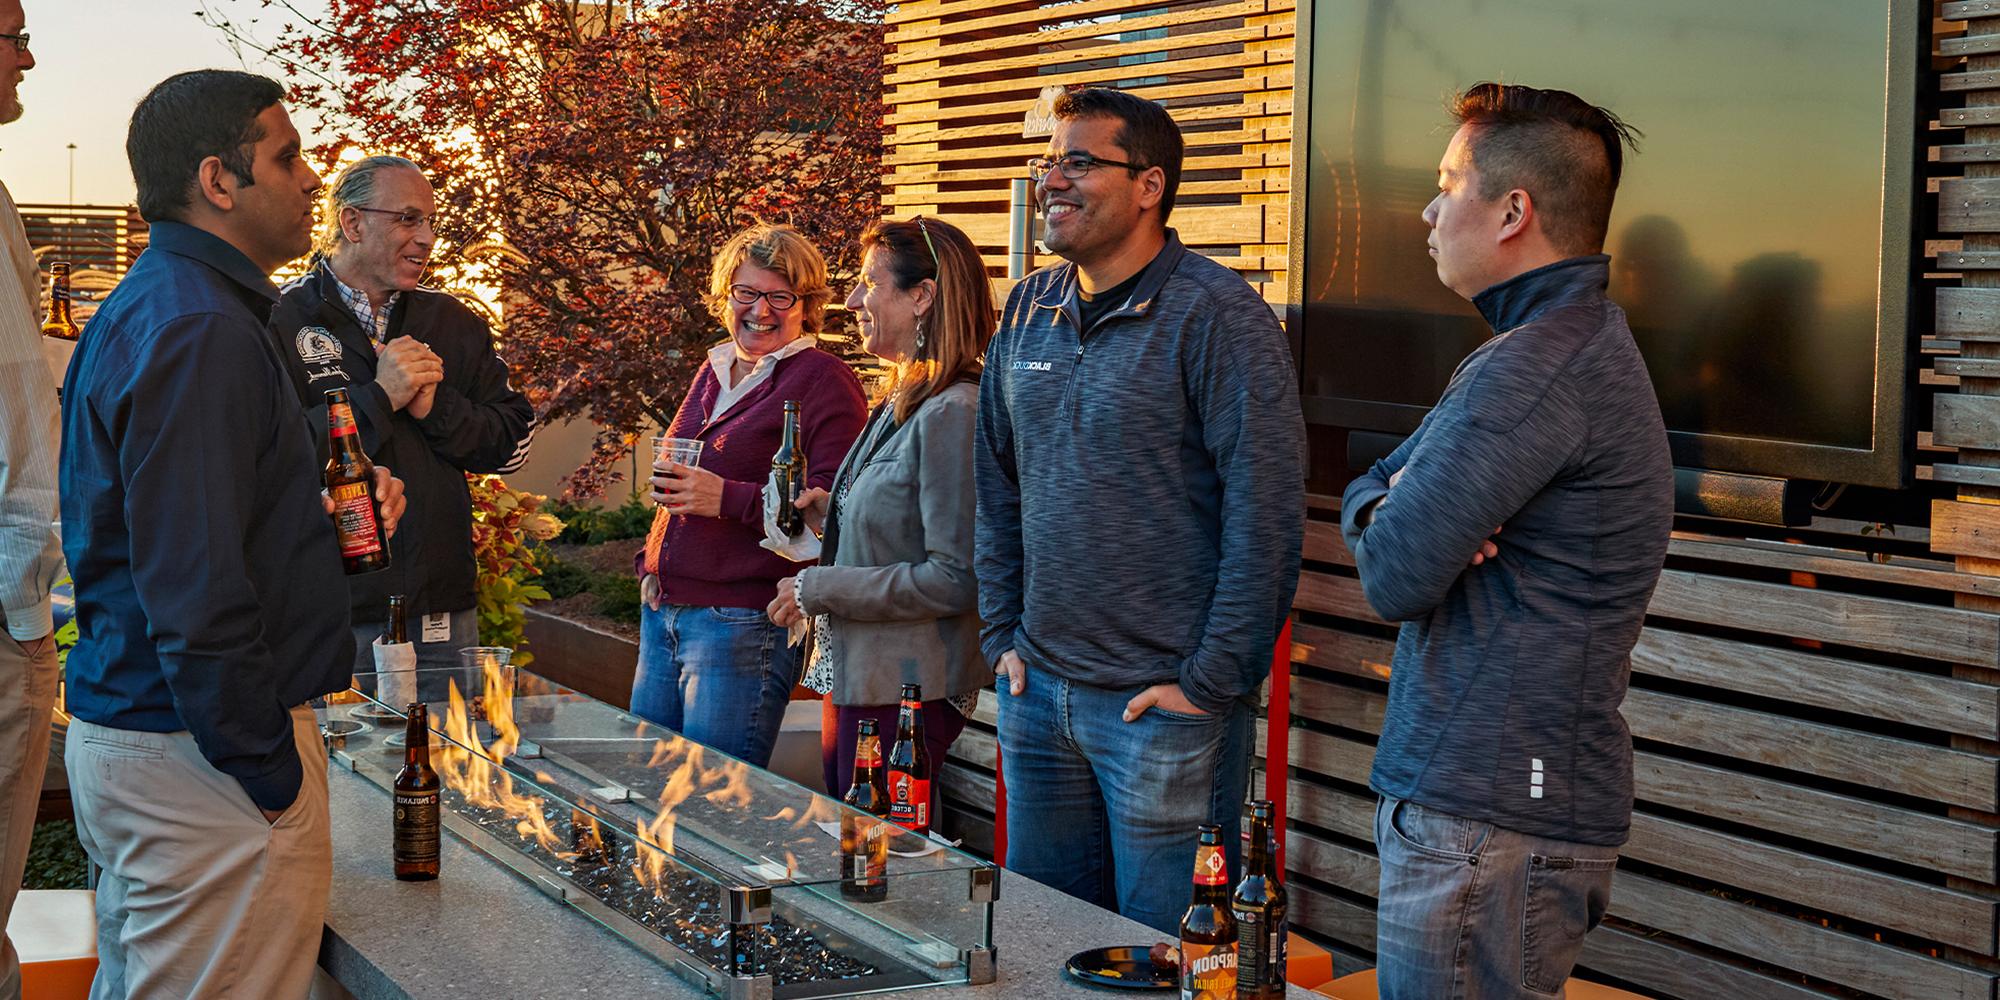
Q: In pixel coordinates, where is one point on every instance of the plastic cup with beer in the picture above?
(672, 450)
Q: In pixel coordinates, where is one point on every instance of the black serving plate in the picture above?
(1122, 967)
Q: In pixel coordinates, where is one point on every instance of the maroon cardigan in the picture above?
(716, 561)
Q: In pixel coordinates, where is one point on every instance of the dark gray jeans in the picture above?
(431, 656)
(1472, 911)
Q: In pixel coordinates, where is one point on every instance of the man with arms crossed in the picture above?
(30, 557)
(209, 585)
(1141, 488)
(1504, 767)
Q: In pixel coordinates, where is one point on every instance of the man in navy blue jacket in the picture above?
(1504, 767)
(209, 587)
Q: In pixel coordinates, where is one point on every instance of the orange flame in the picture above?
(476, 770)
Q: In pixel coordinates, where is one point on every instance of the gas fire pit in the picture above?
(728, 874)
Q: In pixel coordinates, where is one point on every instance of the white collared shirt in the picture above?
(722, 359)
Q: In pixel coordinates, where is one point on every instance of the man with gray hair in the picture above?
(431, 398)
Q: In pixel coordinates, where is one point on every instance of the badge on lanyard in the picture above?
(437, 628)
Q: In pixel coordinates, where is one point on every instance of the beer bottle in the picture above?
(788, 465)
(350, 480)
(1208, 929)
(1259, 908)
(910, 767)
(60, 325)
(864, 839)
(416, 791)
(399, 629)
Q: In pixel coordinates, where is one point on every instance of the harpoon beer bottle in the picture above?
(416, 792)
(350, 481)
(910, 767)
(1259, 908)
(1208, 929)
(864, 839)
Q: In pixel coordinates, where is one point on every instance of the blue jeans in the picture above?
(719, 676)
(433, 658)
(1470, 911)
(1105, 810)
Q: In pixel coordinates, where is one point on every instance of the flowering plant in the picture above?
(504, 522)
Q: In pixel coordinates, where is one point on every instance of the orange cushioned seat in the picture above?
(55, 931)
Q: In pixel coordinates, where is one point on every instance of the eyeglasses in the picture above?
(404, 217)
(780, 300)
(20, 41)
(935, 263)
(1072, 165)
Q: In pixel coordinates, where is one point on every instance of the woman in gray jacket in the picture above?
(893, 600)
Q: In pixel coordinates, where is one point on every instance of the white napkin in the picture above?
(803, 548)
(395, 673)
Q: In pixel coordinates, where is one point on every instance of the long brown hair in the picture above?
(962, 315)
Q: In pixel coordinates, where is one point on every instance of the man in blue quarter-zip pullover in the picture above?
(1141, 488)
(209, 588)
(1504, 768)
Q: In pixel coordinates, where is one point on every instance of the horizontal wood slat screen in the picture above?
(961, 76)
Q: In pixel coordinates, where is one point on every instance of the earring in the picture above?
(922, 322)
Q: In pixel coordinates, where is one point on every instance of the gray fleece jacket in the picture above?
(1504, 690)
(1141, 484)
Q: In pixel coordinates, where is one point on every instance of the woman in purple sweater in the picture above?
(711, 665)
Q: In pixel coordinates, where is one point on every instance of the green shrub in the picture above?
(592, 525)
(617, 597)
(561, 579)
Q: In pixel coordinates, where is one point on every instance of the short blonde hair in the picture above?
(778, 249)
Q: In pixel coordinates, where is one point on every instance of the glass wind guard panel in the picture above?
(665, 841)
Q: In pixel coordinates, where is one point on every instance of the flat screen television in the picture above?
(1761, 242)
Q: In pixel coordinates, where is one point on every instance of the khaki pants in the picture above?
(200, 896)
(27, 693)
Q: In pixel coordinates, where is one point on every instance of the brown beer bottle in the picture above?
(910, 766)
(399, 627)
(416, 792)
(788, 465)
(60, 324)
(350, 480)
(1259, 908)
(864, 839)
(1208, 929)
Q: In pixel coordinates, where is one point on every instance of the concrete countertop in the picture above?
(480, 931)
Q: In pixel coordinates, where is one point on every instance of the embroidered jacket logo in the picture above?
(1033, 366)
(317, 346)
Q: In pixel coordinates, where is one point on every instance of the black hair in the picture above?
(1145, 131)
(1566, 152)
(186, 119)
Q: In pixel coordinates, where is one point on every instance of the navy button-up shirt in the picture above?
(209, 587)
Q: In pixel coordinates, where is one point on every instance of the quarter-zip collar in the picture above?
(1527, 295)
(1062, 293)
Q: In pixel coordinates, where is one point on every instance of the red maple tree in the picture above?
(591, 157)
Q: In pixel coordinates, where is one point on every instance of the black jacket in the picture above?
(478, 423)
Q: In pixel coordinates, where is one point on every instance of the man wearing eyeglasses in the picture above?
(1141, 502)
(30, 556)
(431, 398)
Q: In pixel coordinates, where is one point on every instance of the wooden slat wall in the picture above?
(1816, 712)
(961, 75)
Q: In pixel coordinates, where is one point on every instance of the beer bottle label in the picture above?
(1210, 867)
(868, 752)
(1275, 945)
(1251, 955)
(354, 520)
(340, 422)
(909, 801)
(416, 827)
(1208, 971)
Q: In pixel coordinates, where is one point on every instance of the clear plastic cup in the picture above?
(684, 451)
(473, 662)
